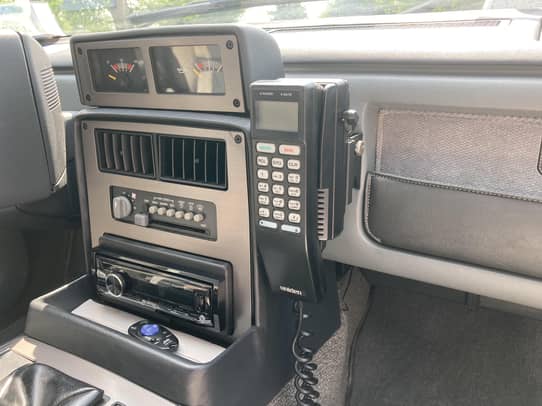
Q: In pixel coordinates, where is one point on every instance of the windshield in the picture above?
(59, 17)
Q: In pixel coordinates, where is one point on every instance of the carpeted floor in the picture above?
(416, 350)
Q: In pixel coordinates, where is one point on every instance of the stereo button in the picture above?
(199, 217)
(188, 216)
(161, 211)
(153, 209)
(170, 212)
(141, 219)
(179, 214)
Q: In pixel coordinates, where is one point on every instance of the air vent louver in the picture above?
(125, 153)
(50, 89)
(194, 161)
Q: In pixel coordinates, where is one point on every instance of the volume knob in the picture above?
(122, 207)
(115, 284)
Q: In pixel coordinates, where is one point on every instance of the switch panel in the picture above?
(175, 214)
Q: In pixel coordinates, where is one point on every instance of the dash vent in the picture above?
(193, 161)
(125, 153)
(50, 89)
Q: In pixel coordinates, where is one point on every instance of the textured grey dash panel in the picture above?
(490, 153)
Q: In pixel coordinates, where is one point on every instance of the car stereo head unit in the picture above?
(203, 68)
(181, 295)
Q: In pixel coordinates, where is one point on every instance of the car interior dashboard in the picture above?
(228, 175)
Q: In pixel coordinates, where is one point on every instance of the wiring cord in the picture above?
(304, 379)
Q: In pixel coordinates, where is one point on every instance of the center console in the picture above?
(206, 196)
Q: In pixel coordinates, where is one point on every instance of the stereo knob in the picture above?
(199, 217)
(115, 284)
(122, 207)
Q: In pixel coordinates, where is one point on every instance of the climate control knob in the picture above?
(115, 284)
(122, 207)
(199, 217)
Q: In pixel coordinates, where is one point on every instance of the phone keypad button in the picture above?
(278, 215)
(294, 218)
(294, 164)
(263, 199)
(262, 160)
(268, 224)
(278, 189)
(294, 178)
(263, 187)
(277, 163)
(264, 212)
(290, 150)
(294, 204)
(290, 229)
(263, 174)
(277, 176)
(278, 202)
(294, 191)
(266, 147)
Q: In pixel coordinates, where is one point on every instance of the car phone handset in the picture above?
(301, 130)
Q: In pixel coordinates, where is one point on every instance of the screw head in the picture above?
(85, 126)
(236, 103)
(87, 97)
(229, 44)
(238, 139)
(79, 51)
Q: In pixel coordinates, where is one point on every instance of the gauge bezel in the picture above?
(96, 57)
(231, 101)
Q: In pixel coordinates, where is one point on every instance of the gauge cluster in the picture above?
(192, 68)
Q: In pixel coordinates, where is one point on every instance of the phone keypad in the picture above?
(279, 180)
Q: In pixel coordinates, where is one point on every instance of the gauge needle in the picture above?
(112, 77)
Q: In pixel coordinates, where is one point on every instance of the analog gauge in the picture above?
(120, 70)
(194, 69)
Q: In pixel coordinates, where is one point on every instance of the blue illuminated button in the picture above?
(149, 329)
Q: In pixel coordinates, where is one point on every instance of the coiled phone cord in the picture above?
(304, 379)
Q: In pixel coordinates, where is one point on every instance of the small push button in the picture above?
(148, 330)
(265, 147)
(290, 150)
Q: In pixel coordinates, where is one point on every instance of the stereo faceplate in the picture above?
(175, 214)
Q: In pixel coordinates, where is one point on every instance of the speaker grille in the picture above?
(50, 88)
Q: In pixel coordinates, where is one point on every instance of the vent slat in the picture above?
(108, 148)
(136, 153)
(193, 161)
(125, 153)
(117, 155)
(146, 155)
